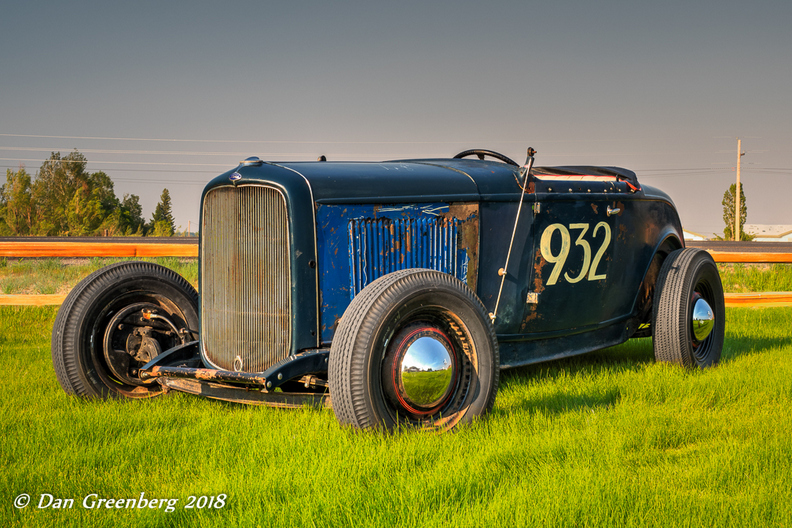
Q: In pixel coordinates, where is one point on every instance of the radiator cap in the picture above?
(252, 161)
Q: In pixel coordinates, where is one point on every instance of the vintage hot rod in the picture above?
(398, 290)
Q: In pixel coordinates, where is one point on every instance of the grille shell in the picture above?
(245, 278)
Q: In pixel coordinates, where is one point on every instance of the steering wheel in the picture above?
(481, 153)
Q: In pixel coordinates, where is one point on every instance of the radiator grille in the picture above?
(245, 278)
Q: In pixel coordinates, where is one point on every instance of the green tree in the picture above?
(69, 200)
(131, 221)
(94, 207)
(54, 189)
(162, 223)
(17, 210)
(728, 213)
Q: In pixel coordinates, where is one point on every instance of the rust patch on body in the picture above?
(467, 236)
(532, 315)
(540, 262)
(623, 231)
(594, 207)
(396, 240)
(204, 374)
(538, 287)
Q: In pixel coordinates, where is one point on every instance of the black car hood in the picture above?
(415, 181)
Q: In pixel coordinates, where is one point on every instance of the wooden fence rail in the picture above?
(31, 300)
(121, 249)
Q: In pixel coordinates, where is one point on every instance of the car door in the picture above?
(579, 280)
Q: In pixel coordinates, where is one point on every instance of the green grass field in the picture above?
(55, 275)
(607, 439)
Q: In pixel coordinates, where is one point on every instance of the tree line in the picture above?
(64, 199)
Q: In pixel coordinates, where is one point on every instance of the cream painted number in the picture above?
(589, 266)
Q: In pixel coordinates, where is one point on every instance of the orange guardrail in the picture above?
(750, 257)
(758, 299)
(95, 249)
(733, 300)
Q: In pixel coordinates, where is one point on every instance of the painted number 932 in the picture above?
(589, 268)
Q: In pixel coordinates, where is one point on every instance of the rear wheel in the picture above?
(414, 348)
(115, 321)
(688, 316)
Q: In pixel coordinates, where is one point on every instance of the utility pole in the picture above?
(740, 154)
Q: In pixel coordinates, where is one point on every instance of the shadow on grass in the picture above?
(571, 384)
(629, 356)
(736, 347)
(559, 402)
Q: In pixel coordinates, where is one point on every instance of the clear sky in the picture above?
(663, 88)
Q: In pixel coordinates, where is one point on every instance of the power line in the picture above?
(282, 155)
(226, 165)
(115, 169)
(309, 142)
(274, 158)
(152, 152)
(184, 182)
(277, 141)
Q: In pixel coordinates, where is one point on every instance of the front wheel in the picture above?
(115, 321)
(688, 315)
(414, 348)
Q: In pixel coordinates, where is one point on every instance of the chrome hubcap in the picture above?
(703, 319)
(424, 370)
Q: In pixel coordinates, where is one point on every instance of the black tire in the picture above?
(120, 294)
(365, 352)
(686, 275)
